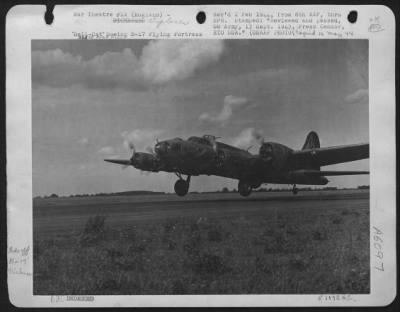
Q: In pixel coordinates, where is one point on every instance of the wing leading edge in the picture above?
(333, 173)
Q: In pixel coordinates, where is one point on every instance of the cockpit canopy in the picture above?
(200, 140)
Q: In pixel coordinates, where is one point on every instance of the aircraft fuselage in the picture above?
(192, 158)
(275, 163)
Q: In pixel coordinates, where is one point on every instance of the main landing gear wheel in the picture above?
(181, 187)
(244, 189)
(295, 189)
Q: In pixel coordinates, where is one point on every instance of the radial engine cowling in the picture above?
(144, 161)
(274, 155)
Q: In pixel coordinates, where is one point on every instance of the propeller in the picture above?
(259, 138)
(133, 149)
(125, 162)
(142, 161)
(213, 141)
(219, 155)
(150, 150)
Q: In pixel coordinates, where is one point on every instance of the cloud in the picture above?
(56, 68)
(231, 103)
(247, 137)
(161, 61)
(140, 137)
(113, 69)
(55, 57)
(361, 95)
(84, 141)
(168, 60)
(106, 150)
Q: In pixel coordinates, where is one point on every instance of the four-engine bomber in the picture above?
(274, 163)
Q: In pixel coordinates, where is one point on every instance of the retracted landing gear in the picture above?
(182, 186)
(244, 188)
(295, 190)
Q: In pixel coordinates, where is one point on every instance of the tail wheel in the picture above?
(181, 187)
(244, 188)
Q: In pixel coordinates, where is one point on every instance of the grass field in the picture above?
(270, 251)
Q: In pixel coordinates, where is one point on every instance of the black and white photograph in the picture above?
(179, 167)
(201, 156)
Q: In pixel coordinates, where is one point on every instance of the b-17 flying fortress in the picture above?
(275, 163)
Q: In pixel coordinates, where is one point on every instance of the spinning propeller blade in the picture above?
(132, 147)
(150, 150)
(124, 162)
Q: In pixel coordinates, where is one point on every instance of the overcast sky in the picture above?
(88, 97)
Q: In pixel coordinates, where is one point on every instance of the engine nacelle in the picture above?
(274, 155)
(144, 161)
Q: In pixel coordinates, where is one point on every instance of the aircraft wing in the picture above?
(318, 157)
(333, 173)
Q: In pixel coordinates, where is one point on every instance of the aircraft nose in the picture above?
(161, 148)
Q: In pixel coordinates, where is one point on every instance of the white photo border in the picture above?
(25, 23)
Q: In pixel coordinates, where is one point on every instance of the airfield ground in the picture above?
(270, 243)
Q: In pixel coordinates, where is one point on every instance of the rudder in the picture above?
(312, 141)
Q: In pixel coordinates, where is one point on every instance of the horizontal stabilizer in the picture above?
(333, 173)
(325, 156)
(124, 162)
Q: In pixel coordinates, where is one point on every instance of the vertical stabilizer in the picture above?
(312, 141)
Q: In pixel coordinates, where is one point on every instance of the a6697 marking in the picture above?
(378, 248)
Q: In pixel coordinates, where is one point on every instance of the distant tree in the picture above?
(53, 195)
(225, 190)
(363, 187)
(330, 188)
